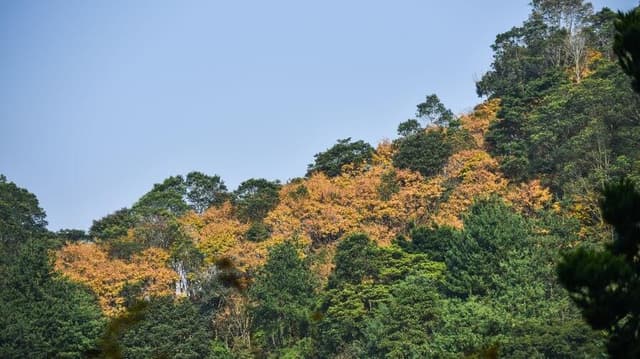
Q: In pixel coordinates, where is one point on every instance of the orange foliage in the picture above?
(586, 209)
(383, 156)
(218, 233)
(89, 263)
(215, 231)
(529, 198)
(468, 174)
(323, 209)
(477, 123)
(593, 57)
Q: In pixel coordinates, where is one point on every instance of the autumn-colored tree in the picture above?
(477, 122)
(468, 175)
(378, 201)
(215, 231)
(111, 279)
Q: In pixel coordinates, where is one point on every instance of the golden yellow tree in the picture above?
(468, 175)
(89, 263)
(215, 231)
(378, 200)
(477, 122)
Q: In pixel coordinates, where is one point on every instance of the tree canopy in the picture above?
(331, 161)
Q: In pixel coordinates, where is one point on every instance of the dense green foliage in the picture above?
(173, 197)
(426, 150)
(605, 282)
(42, 315)
(627, 44)
(20, 214)
(380, 302)
(423, 151)
(567, 112)
(344, 152)
(434, 112)
(254, 198)
(168, 329)
(113, 225)
(284, 296)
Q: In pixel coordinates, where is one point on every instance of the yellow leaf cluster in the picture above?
(89, 263)
(530, 197)
(219, 233)
(586, 209)
(383, 156)
(469, 174)
(215, 231)
(477, 122)
(323, 209)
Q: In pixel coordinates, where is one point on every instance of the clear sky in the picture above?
(101, 99)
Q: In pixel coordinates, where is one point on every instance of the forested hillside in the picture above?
(441, 243)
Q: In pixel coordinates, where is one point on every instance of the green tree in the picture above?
(380, 302)
(168, 328)
(435, 242)
(258, 232)
(492, 233)
(355, 260)
(43, 315)
(20, 214)
(156, 213)
(177, 194)
(113, 225)
(254, 198)
(402, 326)
(425, 151)
(204, 191)
(585, 133)
(434, 112)
(409, 127)
(164, 198)
(284, 293)
(605, 283)
(72, 235)
(551, 52)
(501, 286)
(344, 152)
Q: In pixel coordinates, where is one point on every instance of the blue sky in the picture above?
(101, 99)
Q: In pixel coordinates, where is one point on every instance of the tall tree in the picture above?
(434, 112)
(43, 315)
(164, 198)
(204, 191)
(20, 214)
(255, 197)
(355, 260)
(605, 282)
(284, 292)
